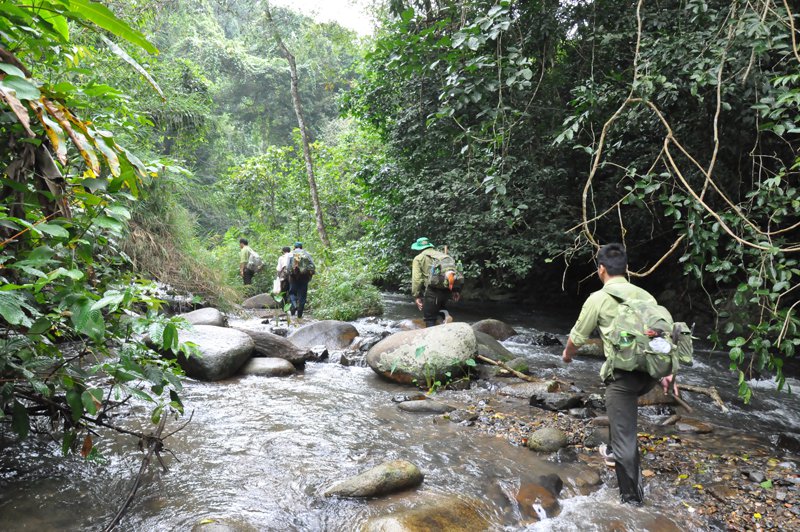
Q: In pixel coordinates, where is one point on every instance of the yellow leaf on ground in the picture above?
(647, 473)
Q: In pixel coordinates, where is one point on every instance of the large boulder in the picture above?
(261, 301)
(267, 367)
(424, 355)
(274, 346)
(206, 316)
(492, 349)
(222, 352)
(446, 514)
(386, 478)
(330, 333)
(494, 328)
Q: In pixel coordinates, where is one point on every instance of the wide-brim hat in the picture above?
(421, 243)
(298, 244)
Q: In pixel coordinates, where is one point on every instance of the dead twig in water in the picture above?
(151, 444)
(517, 373)
(709, 391)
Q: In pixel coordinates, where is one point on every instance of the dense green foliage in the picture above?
(73, 315)
(670, 126)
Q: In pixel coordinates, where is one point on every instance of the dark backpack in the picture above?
(646, 339)
(445, 273)
(302, 265)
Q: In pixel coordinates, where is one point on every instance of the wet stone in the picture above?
(588, 478)
(428, 406)
(580, 413)
(462, 416)
(597, 437)
(599, 421)
(756, 476)
(408, 397)
(555, 401)
(548, 440)
(566, 455)
(693, 426)
(383, 479)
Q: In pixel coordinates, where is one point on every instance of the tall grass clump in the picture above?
(343, 289)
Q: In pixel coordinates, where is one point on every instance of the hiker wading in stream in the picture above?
(433, 283)
(623, 388)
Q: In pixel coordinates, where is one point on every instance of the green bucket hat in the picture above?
(421, 243)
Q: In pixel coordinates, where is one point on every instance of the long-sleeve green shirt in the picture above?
(420, 270)
(599, 311)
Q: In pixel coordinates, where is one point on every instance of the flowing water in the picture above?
(259, 452)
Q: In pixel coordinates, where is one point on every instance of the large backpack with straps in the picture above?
(445, 273)
(302, 265)
(254, 262)
(646, 339)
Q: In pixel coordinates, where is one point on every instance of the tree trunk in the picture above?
(298, 109)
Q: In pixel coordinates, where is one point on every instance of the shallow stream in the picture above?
(260, 451)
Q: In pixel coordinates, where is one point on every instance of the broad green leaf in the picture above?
(21, 423)
(23, 88)
(92, 399)
(106, 222)
(11, 308)
(111, 298)
(11, 69)
(53, 230)
(103, 17)
(75, 405)
(87, 321)
(135, 64)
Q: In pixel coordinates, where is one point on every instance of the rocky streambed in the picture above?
(709, 477)
(378, 425)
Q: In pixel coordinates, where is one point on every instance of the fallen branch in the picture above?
(153, 445)
(709, 391)
(517, 373)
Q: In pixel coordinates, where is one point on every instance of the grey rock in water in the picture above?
(789, 442)
(330, 333)
(597, 437)
(268, 367)
(462, 416)
(656, 396)
(492, 349)
(206, 316)
(541, 339)
(526, 390)
(555, 401)
(222, 352)
(495, 328)
(386, 478)
(261, 301)
(428, 406)
(425, 355)
(588, 478)
(274, 346)
(445, 514)
(519, 364)
(693, 426)
(547, 439)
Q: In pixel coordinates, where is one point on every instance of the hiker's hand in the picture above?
(566, 357)
(418, 301)
(666, 381)
(456, 296)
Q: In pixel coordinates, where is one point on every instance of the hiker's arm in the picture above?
(666, 381)
(417, 280)
(569, 351)
(587, 322)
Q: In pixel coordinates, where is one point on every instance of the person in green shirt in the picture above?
(623, 388)
(244, 256)
(431, 301)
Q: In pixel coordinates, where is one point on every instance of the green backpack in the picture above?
(646, 339)
(443, 268)
(302, 265)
